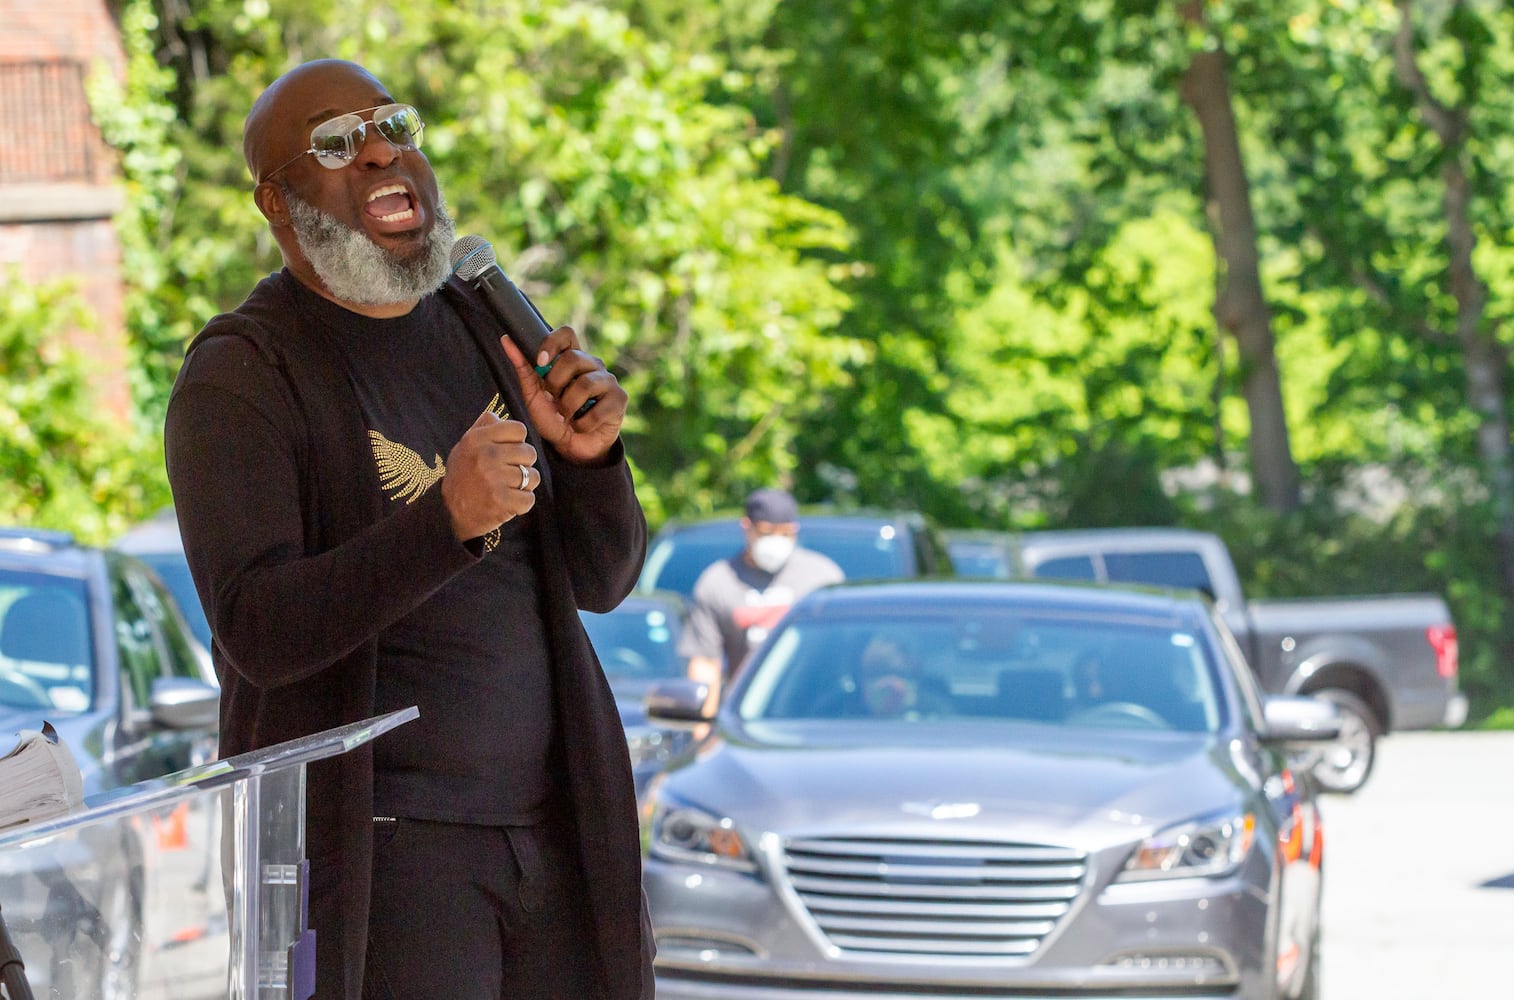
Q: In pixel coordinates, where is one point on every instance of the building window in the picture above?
(45, 102)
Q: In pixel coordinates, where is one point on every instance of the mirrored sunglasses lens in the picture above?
(401, 124)
(335, 141)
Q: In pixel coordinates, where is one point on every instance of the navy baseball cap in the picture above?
(771, 505)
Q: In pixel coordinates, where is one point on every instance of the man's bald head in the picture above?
(368, 231)
(278, 126)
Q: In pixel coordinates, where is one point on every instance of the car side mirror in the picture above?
(1300, 719)
(184, 703)
(679, 700)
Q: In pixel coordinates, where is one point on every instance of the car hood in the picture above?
(1086, 787)
(78, 733)
(13, 720)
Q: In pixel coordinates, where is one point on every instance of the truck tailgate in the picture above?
(1407, 639)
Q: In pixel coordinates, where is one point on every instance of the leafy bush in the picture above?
(64, 462)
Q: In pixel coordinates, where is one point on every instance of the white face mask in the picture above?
(770, 552)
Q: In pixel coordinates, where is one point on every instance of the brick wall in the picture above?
(57, 175)
(48, 29)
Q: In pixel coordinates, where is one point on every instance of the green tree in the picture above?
(616, 195)
(1395, 140)
(63, 463)
(1465, 59)
(1240, 303)
(961, 256)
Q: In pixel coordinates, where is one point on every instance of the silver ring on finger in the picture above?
(525, 476)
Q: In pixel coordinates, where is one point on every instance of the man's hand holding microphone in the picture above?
(575, 402)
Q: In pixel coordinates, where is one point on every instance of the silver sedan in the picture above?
(990, 790)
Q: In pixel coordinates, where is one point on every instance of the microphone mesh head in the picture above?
(471, 256)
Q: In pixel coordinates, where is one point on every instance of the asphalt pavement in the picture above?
(1419, 873)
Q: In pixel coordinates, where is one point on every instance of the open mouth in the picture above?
(391, 203)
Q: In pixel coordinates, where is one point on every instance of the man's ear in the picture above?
(270, 200)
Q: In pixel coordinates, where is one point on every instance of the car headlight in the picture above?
(1192, 850)
(690, 835)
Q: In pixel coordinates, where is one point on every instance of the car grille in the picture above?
(934, 898)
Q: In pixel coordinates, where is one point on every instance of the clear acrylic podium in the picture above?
(186, 886)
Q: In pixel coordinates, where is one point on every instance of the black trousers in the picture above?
(477, 913)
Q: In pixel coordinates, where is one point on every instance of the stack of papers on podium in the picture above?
(39, 779)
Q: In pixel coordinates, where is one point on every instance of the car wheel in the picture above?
(1344, 764)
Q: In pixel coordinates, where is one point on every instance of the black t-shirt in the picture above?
(474, 657)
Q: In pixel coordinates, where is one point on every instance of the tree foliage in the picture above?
(957, 256)
(63, 463)
(615, 194)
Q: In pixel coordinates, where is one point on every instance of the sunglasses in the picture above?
(336, 142)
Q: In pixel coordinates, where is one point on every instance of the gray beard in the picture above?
(357, 270)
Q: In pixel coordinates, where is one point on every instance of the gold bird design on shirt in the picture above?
(403, 474)
(496, 407)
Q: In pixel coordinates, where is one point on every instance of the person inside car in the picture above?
(893, 684)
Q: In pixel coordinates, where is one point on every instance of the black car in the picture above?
(867, 545)
(91, 642)
(156, 542)
(637, 645)
(637, 642)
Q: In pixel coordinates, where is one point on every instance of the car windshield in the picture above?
(46, 651)
(1045, 668)
(173, 570)
(635, 642)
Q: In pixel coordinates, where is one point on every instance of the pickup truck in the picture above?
(1387, 662)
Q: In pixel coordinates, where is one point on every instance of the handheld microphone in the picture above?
(473, 260)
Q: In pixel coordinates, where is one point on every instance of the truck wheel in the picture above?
(1343, 765)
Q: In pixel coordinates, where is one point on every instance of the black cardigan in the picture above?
(299, 571)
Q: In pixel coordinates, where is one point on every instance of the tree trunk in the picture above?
(1240, 308)
(1485, 358)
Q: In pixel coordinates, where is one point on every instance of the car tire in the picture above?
(1343, 765)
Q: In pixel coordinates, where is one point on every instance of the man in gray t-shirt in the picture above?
(739, 599)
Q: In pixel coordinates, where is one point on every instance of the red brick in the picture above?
(85, 251)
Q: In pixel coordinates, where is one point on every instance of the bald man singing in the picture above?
(383, 504)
